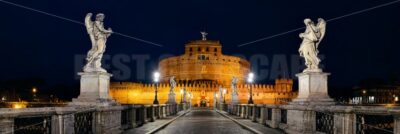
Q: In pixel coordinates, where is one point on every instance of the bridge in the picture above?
(181, 118)
(95, 112)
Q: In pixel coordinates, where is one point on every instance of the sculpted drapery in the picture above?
(98, 36)
(312, 36)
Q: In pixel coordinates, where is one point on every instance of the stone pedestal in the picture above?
(94, 90)
(234, 101)
(313, 89)
(171, 98)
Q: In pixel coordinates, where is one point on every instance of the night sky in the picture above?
(357, 47)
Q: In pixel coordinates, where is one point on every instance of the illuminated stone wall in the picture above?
(138, 93)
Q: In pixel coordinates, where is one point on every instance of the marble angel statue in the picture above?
(172, 84)
(312, 37)
(234, 85)
(98, 36)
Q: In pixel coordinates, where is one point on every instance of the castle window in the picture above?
(207, 49)
(215, 49)
(202, 57)
(199, 49)
(190, 49)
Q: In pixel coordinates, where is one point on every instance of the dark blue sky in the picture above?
(34, 45)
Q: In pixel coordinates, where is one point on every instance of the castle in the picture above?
(202, 70)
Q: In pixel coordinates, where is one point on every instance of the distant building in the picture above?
(376, 95)
(201, 70)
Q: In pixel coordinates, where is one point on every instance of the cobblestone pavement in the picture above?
(203, 121)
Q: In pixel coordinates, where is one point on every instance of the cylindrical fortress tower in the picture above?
(203, 61)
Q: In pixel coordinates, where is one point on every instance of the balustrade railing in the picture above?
(331, 119)
(324, 122)
(33, 125)
(81, 120)
(373, 124)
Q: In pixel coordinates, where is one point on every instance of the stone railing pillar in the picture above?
(262, 115)
(243, 111)
(233, 109)
(166, 110)
(238, 110)
(62, 123)
(6, 125)
(132, 118)
(301, 121)
(163, 114)
(253, 114)
(248, 111)
(396, 128)
(144, 114)
(158, 111)
(153, 114)
(108, 120)
(344, 123)
(276, 118)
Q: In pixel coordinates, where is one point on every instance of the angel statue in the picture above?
(234, 85)
(172, 83)
(309, 46)
(98, 36)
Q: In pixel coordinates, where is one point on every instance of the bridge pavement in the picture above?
(203, 121)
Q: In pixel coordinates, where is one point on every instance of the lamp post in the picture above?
(181, 95)
(156, 77)
(250, 80)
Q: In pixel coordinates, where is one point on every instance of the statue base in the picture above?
(234, 101)
(171, 98)
(94, 90)
(313, 89)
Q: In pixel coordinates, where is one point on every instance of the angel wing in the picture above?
(89, 27)
(321, 28)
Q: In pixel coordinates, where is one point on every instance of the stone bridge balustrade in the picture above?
(335, 119)
(70, 120)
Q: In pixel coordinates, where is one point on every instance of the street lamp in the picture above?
(224, 92)
(34, 91)
(250, 80)
(181, 95)
(156, 78)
